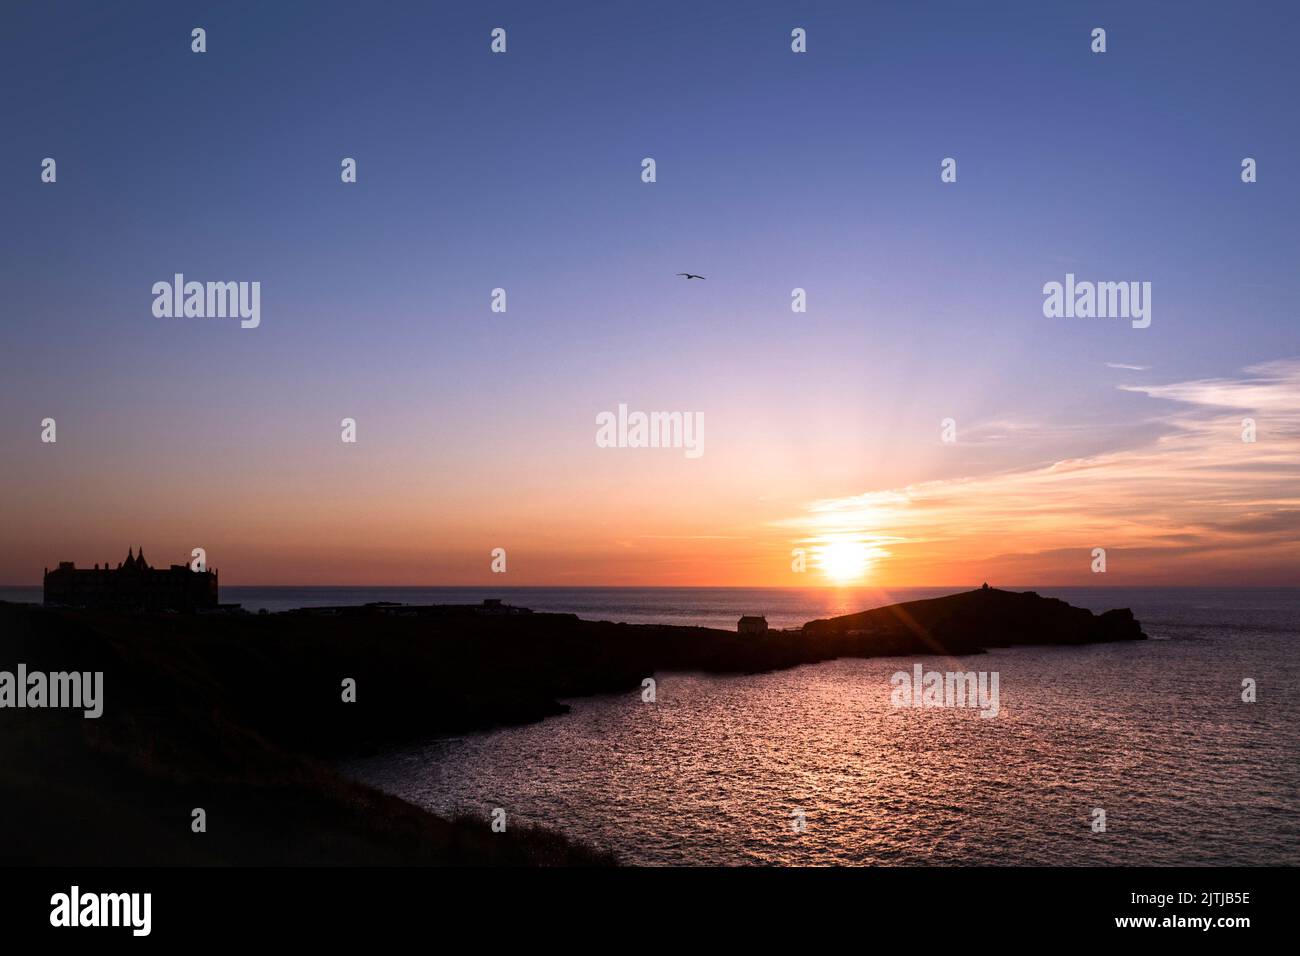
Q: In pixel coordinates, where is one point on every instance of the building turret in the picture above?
(133, 586)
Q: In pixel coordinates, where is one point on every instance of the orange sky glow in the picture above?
(1190, 504)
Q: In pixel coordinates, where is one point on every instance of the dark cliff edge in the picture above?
(240, 715)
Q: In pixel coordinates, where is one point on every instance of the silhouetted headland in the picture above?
(239, 714)
(969, 622)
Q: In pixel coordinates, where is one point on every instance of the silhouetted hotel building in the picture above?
(132, 585)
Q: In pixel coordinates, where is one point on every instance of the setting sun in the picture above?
(844, 561)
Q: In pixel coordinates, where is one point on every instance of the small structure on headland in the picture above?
(133, 585)
(752, 624)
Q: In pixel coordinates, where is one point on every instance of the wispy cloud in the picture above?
(1129, 368)
(1197, 502)
(1272, 387)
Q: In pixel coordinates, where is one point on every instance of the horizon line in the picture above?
(728, 587)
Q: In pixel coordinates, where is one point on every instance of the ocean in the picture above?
(814, 766)
(703, 607)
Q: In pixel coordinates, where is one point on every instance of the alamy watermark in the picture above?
(923, 688)
(210, 300)
(76, 690)
(651, 430)
(76, 908)
(1098, 300)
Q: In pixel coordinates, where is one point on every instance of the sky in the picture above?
(774, 170)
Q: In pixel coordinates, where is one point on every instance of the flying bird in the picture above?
(688, 275)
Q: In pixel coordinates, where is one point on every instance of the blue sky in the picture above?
(521, 170)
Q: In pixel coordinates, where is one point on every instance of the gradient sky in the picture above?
(775, 170)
